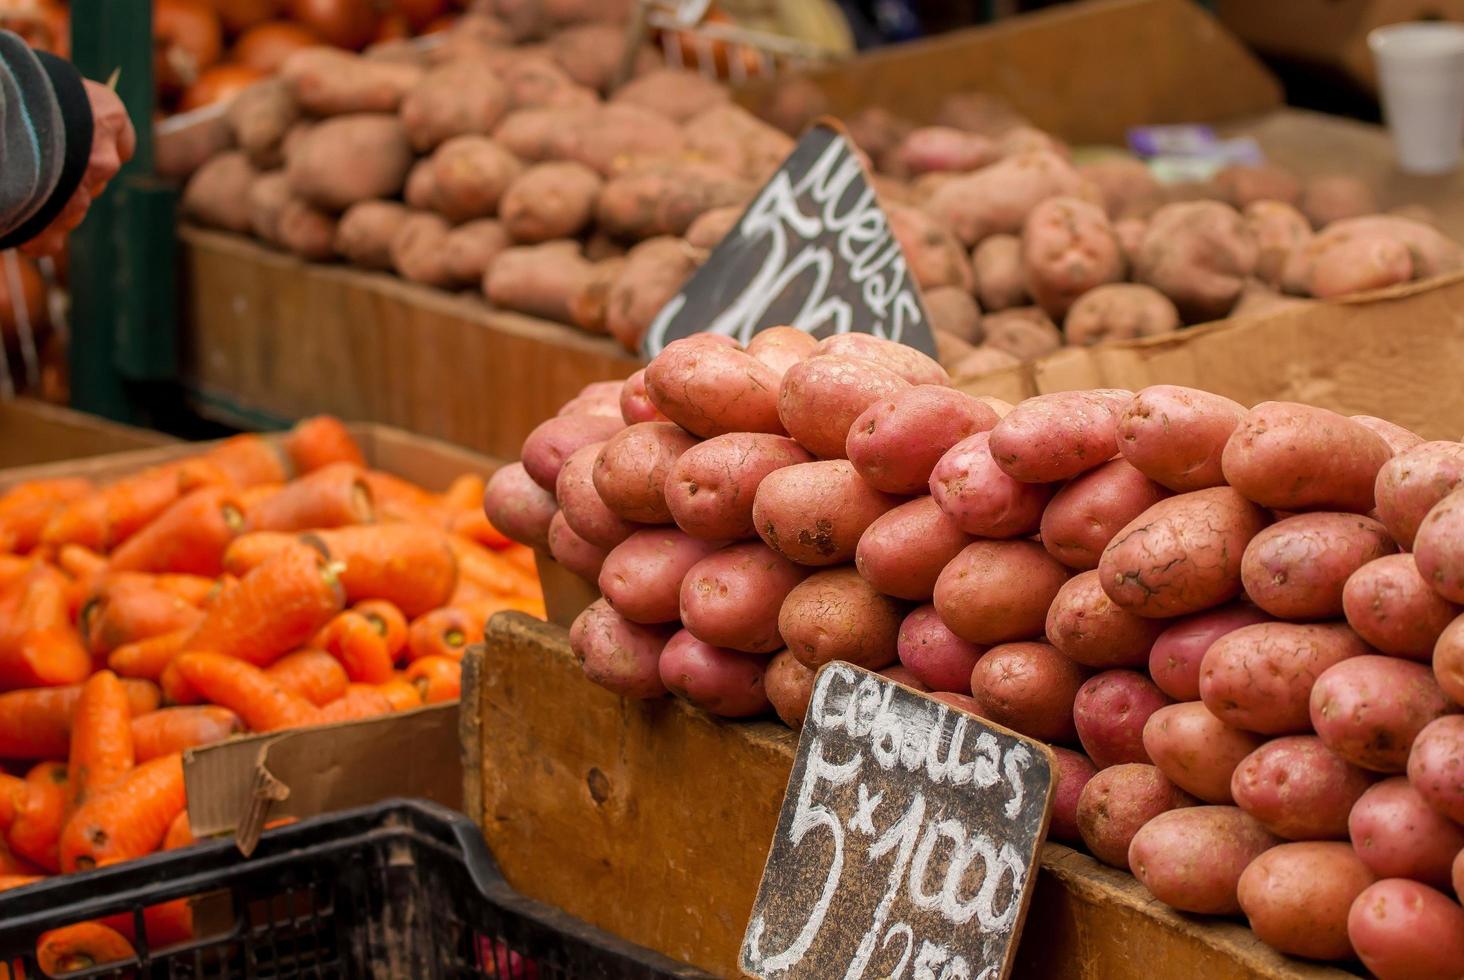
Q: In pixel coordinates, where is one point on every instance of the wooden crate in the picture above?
(34, 431)
(652, 820)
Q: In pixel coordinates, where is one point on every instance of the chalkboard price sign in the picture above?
(906, 844)
(814, 251)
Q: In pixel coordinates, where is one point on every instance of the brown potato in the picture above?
(617, 654)
(1298, 788)
(342, 161)
(1117, 802)
(1260, 677)
(419, 249)
(836, 615)
(218, 194)
(306, 231)
(1029, 688)
(1199, 254)
(1192, 858)
(822, 396)
(1244, 184)
(1128, 186)
(712, 390)
(538, 280)
(1057, 436)
(981, 362)
(328, 82)
(677, 94)
(1086, 513)
(904, 551)
(1175, 436)
(934, 256)
(366, 231)
(654, 271)
(998, 591)
(550, 200)
(998, 198)
(1197, 751)
(268, 196)
(471, 249)
(1087, 627)
(470, 175)
(1370, 709)
(631, 470)
(259, 117)
(732, 597)
(814, 513)
(955, 314)
(460, 98)
(1297, 567)
(1278, 229)
(1297, 896)
(710, 227)
(1333, 197)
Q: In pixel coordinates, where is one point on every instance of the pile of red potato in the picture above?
(1237, 628)
(501, 158)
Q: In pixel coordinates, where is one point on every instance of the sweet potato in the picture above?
(655, 270)
(1199, 254)
(978, 112)
(366, 231)
(538, 280)
(460, 98)
(329, 82)
(1068, 248)
(1119, 311)
(996, 265)
(589, 304)
(710, 227)
(954, 314)
(982, 361)
(343, 161)
(550, 200)
(617, 137)
(218, 194)
(534, 80)
(998, 198)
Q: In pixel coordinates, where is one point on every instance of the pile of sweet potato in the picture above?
(1240, 629)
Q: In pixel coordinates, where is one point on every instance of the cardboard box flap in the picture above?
(34, 432)
(240, 785)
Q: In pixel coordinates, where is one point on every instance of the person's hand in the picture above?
(113, 143)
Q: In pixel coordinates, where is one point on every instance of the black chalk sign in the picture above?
(907, 844)
(813, 251)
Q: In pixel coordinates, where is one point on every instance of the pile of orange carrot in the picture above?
(254, 587)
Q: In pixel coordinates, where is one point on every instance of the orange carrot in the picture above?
(314, 675)
(175, 729)
(38, 647)
(150, 657)
(359, 701)
(81, 947)
(189, 537)
(398, 500)
(412, 567)
(249, 551)
(81, 563)
(168, 923)
(180, 832)
(331, 497)
(10, 789)
(401, 693)
(12, 865)
(39, 814)
(248, 691)
(522, 557)
(492, 571)
(26, 509)
(105, 519)
(123, 610)
(101, 738)
(9, 881)
(474, 525)
(465, 493)
(196, 590)
(248, 460)
(177, 692)
(388, 621)
(361, 650)
(36, 723)
(274, 609)
(317, 442)
(437, 678)
(13, 568)
(128, 820)
(444, 633)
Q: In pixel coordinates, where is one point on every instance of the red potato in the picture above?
(998, 198)
(552, 442)
(1197, 751)
(712, 390)
(1448, 660)
(519, 507)
(934, 257)
(815, 513)
(1370, 709)
(365, 233)
(1199, 254)
(711, 489)
(1398, 835)
(789, 686)
(1023, 332)
(470, 175)
(419, 249)
(635, 403)
(1402, 930)
(1298, 788)
(1192, 858)
(781, 347)
(1030, 139)
(1296, 457)
(217, 195)
(1433, 765)
(1182, 555)
(900, 675)
(574, 552)
(1087, 627)
(306, 231)
(997, 268)
(1439, 547)
(471, 249)
(1119, 311)
(1278, 230)
(954, 316)
(327, 82)
(1127, 186)
(1243, 184)
(460, 98)
(1458, 874)
(641, 577)
(897, 441)
(1175, 657)
(907, 362)
(1390, 604)
(375, 143)
(969, 486)
(1110, 713)
(1344, 259)
(1333, 197)
(654, 272)
(583, 510)
(983, 361)
(617, 654)
(939, 148)
(821, 397)
(1056, 437)
(631, 471)
(939, 658)
(1412, 482)
(1029, 688)
(722, 682)
(1130, 233)
(1068, 248)
(1398, 438)
(677, 94)
(732, 597)
(1084, 516)
(1297, 897)
(1070, 777)
(836, 615)
(1260, 677)
(998, 591)
(1297, 567)
(664, 198)
(595, 398)
(1117, 802)
(538, 280)
(550, 200)
(904, 551)
(1175, 436)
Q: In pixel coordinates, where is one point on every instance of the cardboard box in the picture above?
(34, 431)
(242, 784)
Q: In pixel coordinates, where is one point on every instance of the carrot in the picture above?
(359, 701)
(317, 442)
(13, 569)
(437, 678)
(168, 923)
(105, 519)
(521, 557)
(81, 563)
(474, 525)
(402, 693)
(398, 500)
(80, 947)
(128, 820)
(175, 729)
(150, 657)
(196, 590)
(465, 493)
(412, 567)
(256, 697)
(11, 788)
(314, 675)
(39, 813)
(177, 692)
(331, 497)
(9, 881)
(444, 633)
(360, 649)
(274, 609)
(38, 647)
(189, 537)
(180, 832)
(12, 865)
(101, 737)
(248, 460)
(388, 621)
(492, 571)
(26, 509)
(248, 551)
(120, 611)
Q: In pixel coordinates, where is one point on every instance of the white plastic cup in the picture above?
(1421, 75)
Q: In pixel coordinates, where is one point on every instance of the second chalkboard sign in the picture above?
(813, 251)
(907, 841)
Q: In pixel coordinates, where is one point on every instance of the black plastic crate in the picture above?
(402, 889)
